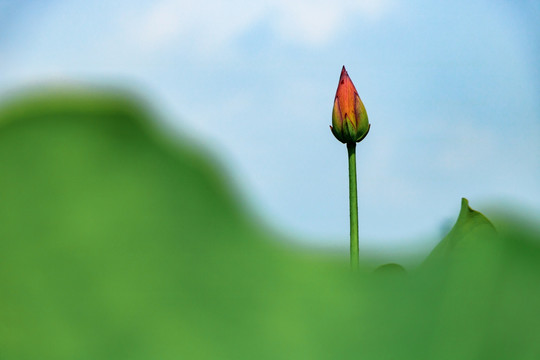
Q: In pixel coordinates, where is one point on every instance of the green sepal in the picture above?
(349, 130)
(338, 136)
(362, 121)
(337, 121)
(362, 136)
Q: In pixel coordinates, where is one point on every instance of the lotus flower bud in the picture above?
(349, 118)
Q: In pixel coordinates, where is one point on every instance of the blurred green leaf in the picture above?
(118, 242)
(469, 234)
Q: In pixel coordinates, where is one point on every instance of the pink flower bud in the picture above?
(349, 118)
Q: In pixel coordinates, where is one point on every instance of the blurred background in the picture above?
(451, 89)
(170, 188)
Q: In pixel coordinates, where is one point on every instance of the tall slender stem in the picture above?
(353, 205)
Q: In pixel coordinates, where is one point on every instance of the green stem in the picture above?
(353, 205)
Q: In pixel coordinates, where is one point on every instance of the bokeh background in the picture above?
(170, 189)
(451, 89)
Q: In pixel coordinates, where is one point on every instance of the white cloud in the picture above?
(212, 24)
(317, 22)
(206, 23)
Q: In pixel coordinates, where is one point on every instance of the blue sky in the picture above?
(451, 90)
